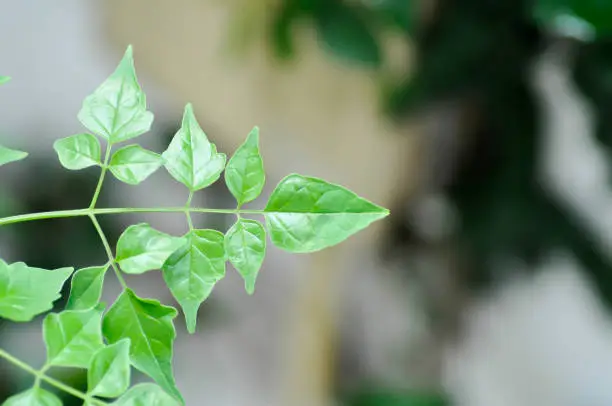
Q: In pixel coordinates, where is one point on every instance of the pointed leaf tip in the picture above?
(191, 158)
(8, 155)
(306, 214)
(192, 271)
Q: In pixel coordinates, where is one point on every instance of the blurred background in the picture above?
(485, 126)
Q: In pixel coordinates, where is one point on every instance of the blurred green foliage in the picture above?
(392, 398)
(481, 52)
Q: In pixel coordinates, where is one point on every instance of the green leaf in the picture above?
(306, 214)
(192, 271)
(133, 164)
(109, 373)
(244, 175)
(78, 151)
(584, 19)
(245, 244)
(141, 248)
(346, 34)
(26, 292)
(117, 109)
(8, 155)
(86, 288)
(72, 337)
(145, 394)
(33, 397)
(148, 325)
(191, 158)
(4, 79)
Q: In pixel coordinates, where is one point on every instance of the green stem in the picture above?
(187, 210)
(54, 382)
(94, 199)
(107, 248)
(21, 218)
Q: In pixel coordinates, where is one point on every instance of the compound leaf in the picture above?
(108, 374)
(191, 158)
(117, 109)
(78, 151)
(72, 337)
(245, 245)
(141, 248)
(145, 394)
(133, 164)
(306, 214)
(4, 79)
(148, 325)
(8, 155)
(26, 292)
(86, 288)
(192, 271)
(244, 174)
(33, 397)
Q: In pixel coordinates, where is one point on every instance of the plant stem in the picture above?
(21, 218)
(94, 199)
(107, 248)
(187, 212)
(54, 382)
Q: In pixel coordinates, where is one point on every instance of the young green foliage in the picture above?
(190, 158)
(4, 79)
(303, 214)
(192, 271)
(306, 214)
(141, 248)
(8, 155)
(244, 174)
(148, 325)
(133, 164)
(117, 109)
(245, 244)
(86, 288)
(78, 151)
(146, 394)
(72, 337)
(26, 292)
(109, 372)
(33, 397)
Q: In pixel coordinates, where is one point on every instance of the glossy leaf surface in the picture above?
(72, 337)
(245, 245)
(146, 394)
(108, 374)
(141, 248)
(117, 109)
(191, 158)
(33, 397)
(133, 164)
(192, 271)
(26, 292)
(86, 288)
(306, 214)
(8, 155)
(244, 174)
(148, 325)
(78, 151)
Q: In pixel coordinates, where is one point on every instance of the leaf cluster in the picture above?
(303, 214)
